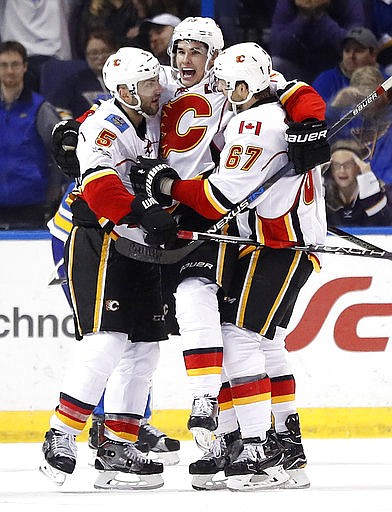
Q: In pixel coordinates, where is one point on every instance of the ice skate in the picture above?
(252, 470)
(203, 420)
(224, 449)
(95, 435)
(59, 451)
(122, 466)
(164, 448)
(294, 455)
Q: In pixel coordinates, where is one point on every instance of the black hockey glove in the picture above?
(153, 177)
(160, 225)
(64, 142)
(308, 145)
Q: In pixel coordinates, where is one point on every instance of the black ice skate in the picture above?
(163, 447)
(122, 466)
(294, 455)
(224, 449)
(203, 420)
(59, 451)
(95, 436)
(252, 470)
(96, 432)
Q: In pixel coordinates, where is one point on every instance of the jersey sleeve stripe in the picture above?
(95, 174)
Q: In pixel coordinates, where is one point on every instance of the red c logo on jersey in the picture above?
(172, 113)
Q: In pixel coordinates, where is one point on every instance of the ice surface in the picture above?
(347, 475)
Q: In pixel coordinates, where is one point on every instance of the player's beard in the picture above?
(151, 109)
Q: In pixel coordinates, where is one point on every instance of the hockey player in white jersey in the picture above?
(192, 125)
(266, 283)
(116, 303)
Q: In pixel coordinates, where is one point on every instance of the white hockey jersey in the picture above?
(109, 143)
(293, 209)
(193, 120)
(190, 121)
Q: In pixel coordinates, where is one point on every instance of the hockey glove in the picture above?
(153, 177)
(160, 225)
(308, 145)
(64, 142)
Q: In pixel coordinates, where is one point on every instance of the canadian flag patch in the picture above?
(250, 127)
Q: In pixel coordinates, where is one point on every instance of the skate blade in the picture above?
(166, 458)
(55, 475)
(119, 481)
(298, 479)
(271, 478)
(207, 483)
(203, 438)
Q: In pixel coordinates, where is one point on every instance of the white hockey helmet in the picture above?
(204, 30)
(129, 66)
(244, 62)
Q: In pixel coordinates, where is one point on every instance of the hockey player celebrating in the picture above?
(192, 125)
(116, 302)
(266, 283)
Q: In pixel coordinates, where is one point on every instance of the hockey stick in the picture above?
(149, 254)
(353, 239)
(54, 278)
(344, 251)
(381, 89)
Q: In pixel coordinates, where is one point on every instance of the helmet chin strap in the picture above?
(237, 103)
(136, 107)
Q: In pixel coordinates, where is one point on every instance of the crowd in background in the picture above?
(343, 49)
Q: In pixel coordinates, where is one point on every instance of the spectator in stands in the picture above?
(256, 20)
(378, 16)
(373, 128)
(306, 35)
(227, 15)
(384, 57)
(160, 29)
(30, 188)
(353, 194)
(76, 94)
(119, 16)
(359, 49)
(42, 27)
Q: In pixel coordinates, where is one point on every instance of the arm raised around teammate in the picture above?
(152, 176)
(307, 134)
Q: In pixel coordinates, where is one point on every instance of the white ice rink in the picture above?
(347, 475)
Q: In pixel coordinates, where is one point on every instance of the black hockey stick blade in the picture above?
(148, 254)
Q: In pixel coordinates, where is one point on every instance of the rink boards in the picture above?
(339, 342)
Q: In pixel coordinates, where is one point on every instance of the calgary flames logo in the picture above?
(181, 139)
